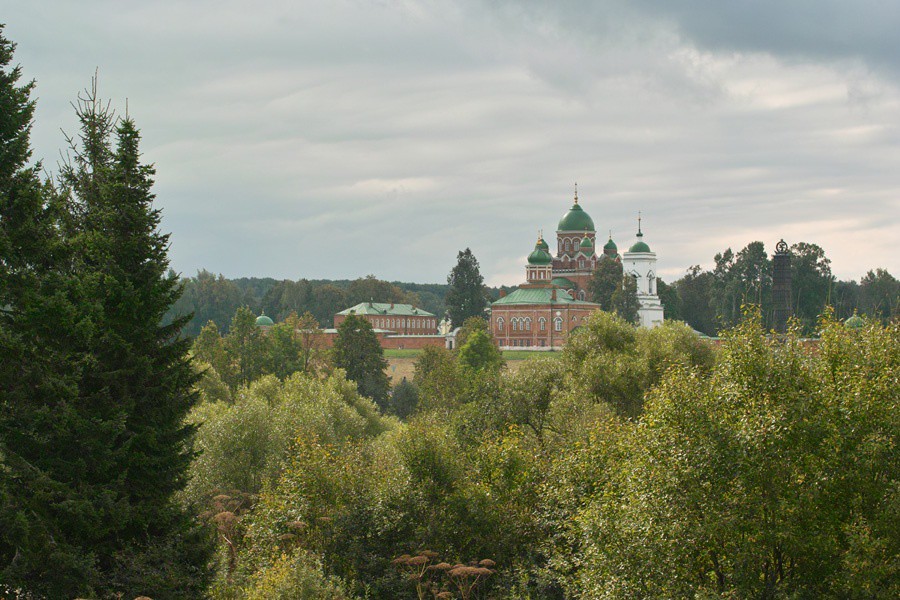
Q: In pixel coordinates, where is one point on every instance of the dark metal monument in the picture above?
(781, 286)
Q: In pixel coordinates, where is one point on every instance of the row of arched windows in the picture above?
(524, 324)
(402, 323)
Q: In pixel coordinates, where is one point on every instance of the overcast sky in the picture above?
(339, 138)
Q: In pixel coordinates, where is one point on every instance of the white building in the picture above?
(640, 262)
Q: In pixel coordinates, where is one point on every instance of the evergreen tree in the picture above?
(45, 508)
(466, 296)
(137, 388)
(357, 351)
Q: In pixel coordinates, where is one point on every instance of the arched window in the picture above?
(528, 324)
(557, 324)
(543, 323)
(580, 263)
(499, 323)
(581, 295)
(568, 247)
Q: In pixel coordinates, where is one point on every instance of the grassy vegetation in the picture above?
(525, 354)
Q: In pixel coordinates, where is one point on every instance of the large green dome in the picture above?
(264, 321)
(576, 220)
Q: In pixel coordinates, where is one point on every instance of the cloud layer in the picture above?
(344, 138)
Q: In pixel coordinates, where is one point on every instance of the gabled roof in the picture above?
(381, 308)
(541, 295)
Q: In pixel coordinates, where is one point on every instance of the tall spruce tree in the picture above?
(466, 296)
(137, 386)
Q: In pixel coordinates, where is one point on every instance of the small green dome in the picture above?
(855, 322)
(542, 244)
(639, 246)
(539, 257)
(264, 321)
(610, 245)
(586, 243)
(576, 220)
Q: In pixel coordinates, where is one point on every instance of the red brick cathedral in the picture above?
(555, 299)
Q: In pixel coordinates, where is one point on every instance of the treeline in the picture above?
(636, 463)
(712, 300)
(214, 298)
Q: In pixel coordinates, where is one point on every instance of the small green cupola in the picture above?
(263, 321)
(587, 246)
(640, 245)
(540, 255)
(576, 219)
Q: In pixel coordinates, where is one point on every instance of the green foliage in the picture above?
(775, 471)
(466, 296)
(470, 326)
(242, 446)
(358, 352)
(404, 400)
(296, 576)
(438, 378)
(605, 280)
(479, 353)
(879, 293)
(611, 361)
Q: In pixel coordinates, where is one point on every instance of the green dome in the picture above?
(575, 220)
(563, 282)
(586, 243)
(264, 321)
(639, 246)
(540, 256)
(855, 322)
(611, 245)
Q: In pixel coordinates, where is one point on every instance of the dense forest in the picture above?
(140, 462)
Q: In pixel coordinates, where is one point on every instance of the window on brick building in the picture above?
(557, 324)
(543, 323)
(499, 323)
(528, 324)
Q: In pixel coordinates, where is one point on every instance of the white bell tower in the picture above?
(640, 263)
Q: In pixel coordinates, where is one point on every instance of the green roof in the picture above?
(586, 242)
(264, 321)
(381, 308)
(543, 244)
(610, 245)
(563, 282)
(542, 295)
(576, 220)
